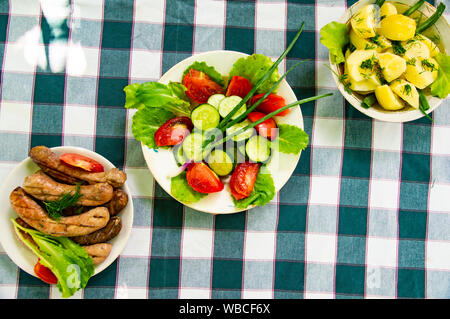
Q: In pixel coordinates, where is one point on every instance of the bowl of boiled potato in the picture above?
(390, 63)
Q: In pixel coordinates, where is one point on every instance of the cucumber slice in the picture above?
(192, 146)
(205, 117)
(215, 99)
(258, 148)
(179, 154)
(220, 162)
(228, 104)
(244, 135)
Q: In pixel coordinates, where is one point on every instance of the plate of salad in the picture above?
(389, 58)
(221, 131)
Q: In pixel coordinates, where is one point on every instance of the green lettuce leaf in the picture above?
(146, 122)
(291, 139)
(441, 86)
(181, 190)
(262, 193)
(154, 94)
(335, 37)
(253, 68)
(68, 261)
(209, 70)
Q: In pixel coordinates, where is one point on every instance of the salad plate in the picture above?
(162, 164)
(20, 254)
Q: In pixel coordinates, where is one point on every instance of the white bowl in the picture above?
(162, 163)
(21, 255)
(377, 112)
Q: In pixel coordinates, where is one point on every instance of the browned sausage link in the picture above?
(105, 234)
(98, 252)
(43, 156)
(118, 202)
(43, 187)
(35, 216)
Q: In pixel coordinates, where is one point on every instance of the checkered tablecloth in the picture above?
(366, 213)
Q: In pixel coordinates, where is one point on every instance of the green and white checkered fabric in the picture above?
(365, 215)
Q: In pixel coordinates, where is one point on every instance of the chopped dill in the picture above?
(398, 48)
(407, 89)
(411, 61)
(65, 200)
(428, 65)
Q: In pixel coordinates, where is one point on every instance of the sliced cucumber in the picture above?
(244, 135)
(228, 104)
(258, 148)
(192, 146)
(215, 99)
(220, 162)
(205, 117)
(179, 154)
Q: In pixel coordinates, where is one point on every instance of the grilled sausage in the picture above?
(118, 202)
(98, 252)
(44, 188)
(44, 157)
(35, 216)
(105, 234)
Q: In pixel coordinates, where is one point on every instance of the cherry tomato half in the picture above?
(266, 128)
(173, 131)
(271, 103)
(202, 179)
(83, 162)
(199, 86)
(45, 274)
(243, 179)
(239, 86)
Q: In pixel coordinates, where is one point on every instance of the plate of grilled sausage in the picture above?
(93, 207)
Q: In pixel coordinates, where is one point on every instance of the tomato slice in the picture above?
(45, 274)
(271, 103)
(268, 128)
(173, 131)
(199, 86)
(81, 161)
(203, 179)
(239, 86)
(243, 179)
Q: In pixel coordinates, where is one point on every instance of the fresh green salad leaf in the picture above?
(154, 94)
(262, 193)
(181, 190)
(441, 86)
(68, 261)
(291, 139)
(147, 121)
(335, 37)
(208, 70)
(253, 68)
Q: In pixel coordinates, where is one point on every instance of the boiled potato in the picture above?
(397, 27)
(387, 99)
(378, 43)
(421, 72)
(363, 21)
(432, 47)
(407, 91)
(387, 9)
(365, 86)
(415, 49)
(356, 59)
(392, 66)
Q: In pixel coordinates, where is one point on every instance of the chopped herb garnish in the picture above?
(407, 89)
(54, 208)
(398, 48)
(427, 64)
(369, 46)
(411, 61)
(369, 63)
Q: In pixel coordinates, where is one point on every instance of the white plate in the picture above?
(16, 250)
(162, 163)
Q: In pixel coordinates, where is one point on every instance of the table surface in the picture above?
(366, 213)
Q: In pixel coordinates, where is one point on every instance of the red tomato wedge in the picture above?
(271, 103)
(81, 161)
(45, 274)
(268, 128)
(173, 131)
(239, 86)
(200, 86)
(202, 179)
(243, 179)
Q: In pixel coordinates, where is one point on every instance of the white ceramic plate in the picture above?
(16, 250)
(377, 112)
(162, 163)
